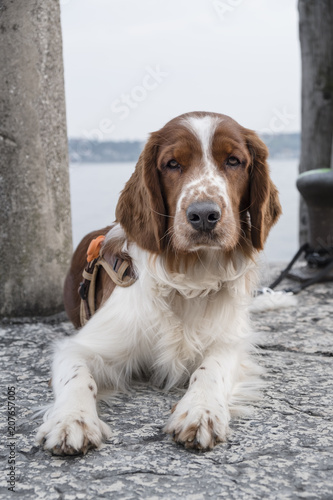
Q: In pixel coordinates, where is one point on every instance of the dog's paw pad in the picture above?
(197, 428)
(72, 435)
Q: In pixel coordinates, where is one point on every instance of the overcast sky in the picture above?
(132, 65)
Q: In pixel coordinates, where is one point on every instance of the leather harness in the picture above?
(120, 271)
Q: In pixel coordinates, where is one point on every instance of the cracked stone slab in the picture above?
(284, 449)
(305, 328)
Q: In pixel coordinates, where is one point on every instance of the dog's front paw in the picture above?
(197, 426)
(72, 433)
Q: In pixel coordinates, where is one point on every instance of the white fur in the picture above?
(269, 300)
(206, 181)
(168, 326)
(204, 128)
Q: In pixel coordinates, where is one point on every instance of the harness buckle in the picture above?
(83, 291)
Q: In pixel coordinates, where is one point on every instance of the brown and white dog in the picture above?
(191, 219)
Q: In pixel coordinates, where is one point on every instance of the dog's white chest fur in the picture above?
(174, 319)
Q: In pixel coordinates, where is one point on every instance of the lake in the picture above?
(95, 190)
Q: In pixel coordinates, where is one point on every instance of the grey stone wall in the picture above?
(316, 37)
(35, 225)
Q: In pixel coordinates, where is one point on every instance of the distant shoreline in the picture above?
(91, 151)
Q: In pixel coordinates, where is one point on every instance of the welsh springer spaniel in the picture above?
(191, 220)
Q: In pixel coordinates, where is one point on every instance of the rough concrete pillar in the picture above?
(35, 223)
(316, 38)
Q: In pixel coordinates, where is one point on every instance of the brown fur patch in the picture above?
(264, 207)
(174, 408)
(189, 433)
(210, 424)
(81, 423)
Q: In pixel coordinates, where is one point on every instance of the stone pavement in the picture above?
(283, 450)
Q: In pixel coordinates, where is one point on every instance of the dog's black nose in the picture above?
(203, 215)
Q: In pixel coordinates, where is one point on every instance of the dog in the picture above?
(190, 222)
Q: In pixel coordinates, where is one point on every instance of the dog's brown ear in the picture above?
(265, 207)
(141, 209)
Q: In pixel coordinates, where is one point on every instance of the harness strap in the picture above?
(118, 277)
(120, 272)
(87, 292)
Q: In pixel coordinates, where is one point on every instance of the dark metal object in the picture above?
(316, 187)
(320, 270)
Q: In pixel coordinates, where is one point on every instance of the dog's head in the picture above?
(202, 181)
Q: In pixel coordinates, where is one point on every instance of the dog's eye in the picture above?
(173, 165)
(233, 161)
